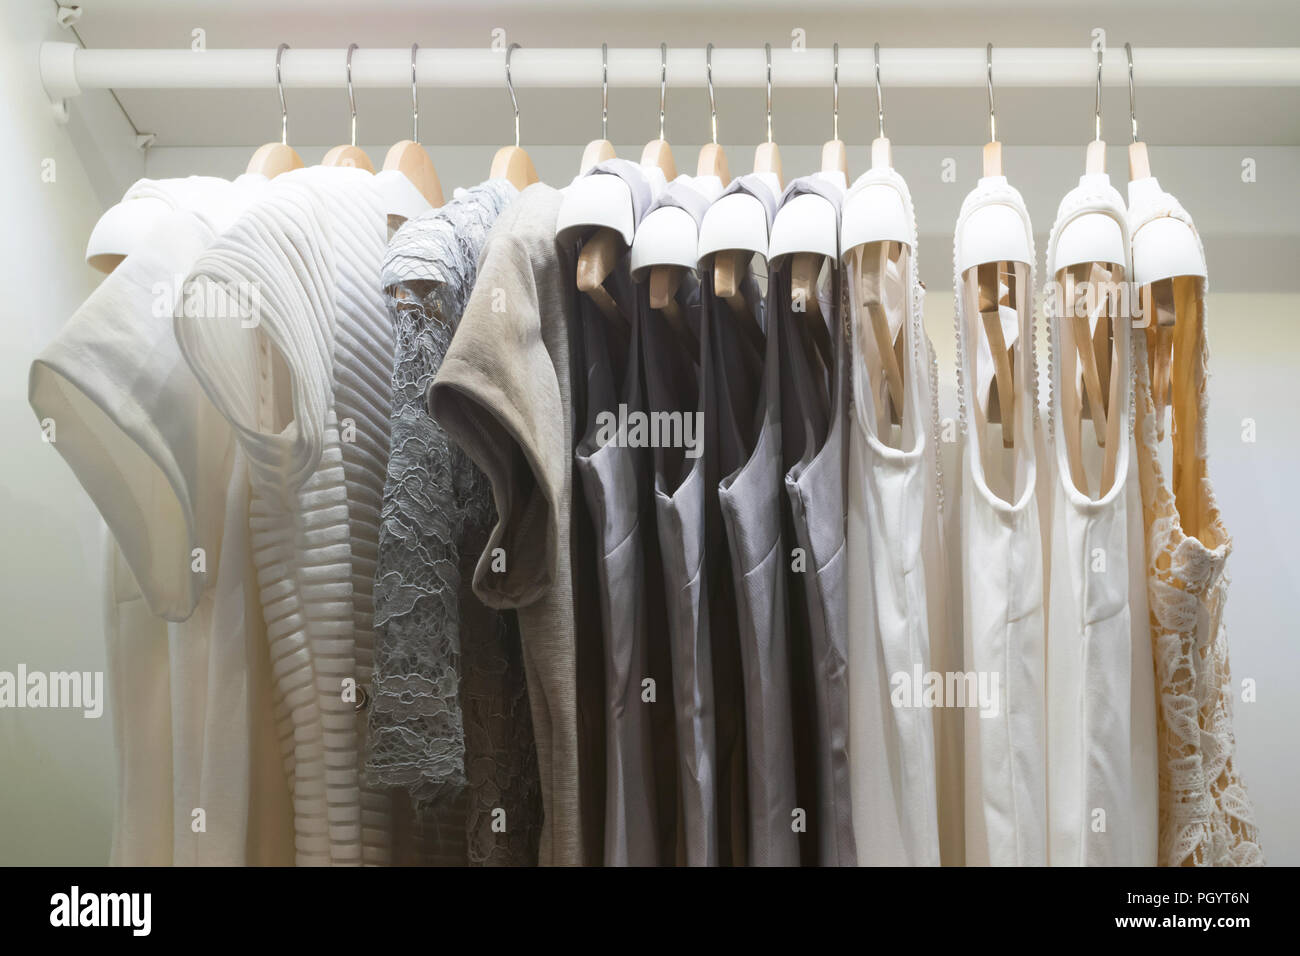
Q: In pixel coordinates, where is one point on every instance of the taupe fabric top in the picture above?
(503, 394)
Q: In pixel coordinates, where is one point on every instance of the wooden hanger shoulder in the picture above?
(835, 157)
(767, 159)
(713, 162)
(514, 164)
(664, 282)
(272, 159)
(658, 153)
(412, 161)
(349, 155)
(597, 151)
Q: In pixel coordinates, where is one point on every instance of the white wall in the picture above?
(56, 767)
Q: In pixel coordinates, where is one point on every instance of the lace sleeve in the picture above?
(436, 505)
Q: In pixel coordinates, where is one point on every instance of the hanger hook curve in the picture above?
(1097, 121)
(352, 100)
(1132, 97)
(835, 91)
(663, 84)
(510, 88)
(767, 52)
(880, 96)
(279, 85)
(993, 122)
(415, 99)
(713, 106)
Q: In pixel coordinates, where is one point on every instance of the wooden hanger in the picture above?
(871, 264)
(805, 267)
(350, 154)
(990, 297)
(272, 159)
(409, 158)
(599, 150)
(1159, 296)
(512, 162)
(665, 279)
(767, 156)
(657, 152)
(602, 249)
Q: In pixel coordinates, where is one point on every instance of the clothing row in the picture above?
(608, 525)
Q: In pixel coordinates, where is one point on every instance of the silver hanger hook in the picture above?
(604, 91)
(835, 90)
(284, 112)
(993, 122)
(415, 99)
(1097, 131)
(510, 88)
(663, 84)
(1132, 97)
(880, 96)
(713, 106)
(352, 100)
(767, 51)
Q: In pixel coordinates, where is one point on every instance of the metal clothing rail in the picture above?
(67, 69)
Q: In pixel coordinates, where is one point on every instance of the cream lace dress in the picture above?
(1206, 817)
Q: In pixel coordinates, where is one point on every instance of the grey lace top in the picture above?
(449, 720)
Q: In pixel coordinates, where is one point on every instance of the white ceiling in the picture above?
(1260, 117)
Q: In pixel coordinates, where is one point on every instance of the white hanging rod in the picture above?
(67, 69)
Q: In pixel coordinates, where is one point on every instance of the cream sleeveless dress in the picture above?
(1101, 778)
(1206, 816)
(1002, 574)
(897, 584)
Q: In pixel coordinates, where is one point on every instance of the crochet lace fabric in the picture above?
(449, 710)
(1206, 817)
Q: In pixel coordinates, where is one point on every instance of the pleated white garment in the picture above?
(897, 592)
(308, 258)
(1102, 783)
(1002, 573)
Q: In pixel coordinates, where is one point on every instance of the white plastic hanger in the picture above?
(350, 154)
(1166, 257)
(875, 230)
(805, 225)
(735, 226)
(994, 253)
(512, 162)
(1090, 249)
(602, 206)
(667, 240)
(665, 248)
(410, 158)
(657, 152)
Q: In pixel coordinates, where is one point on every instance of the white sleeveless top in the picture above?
(1002, 575)
(1100, 682)
(896, 589)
